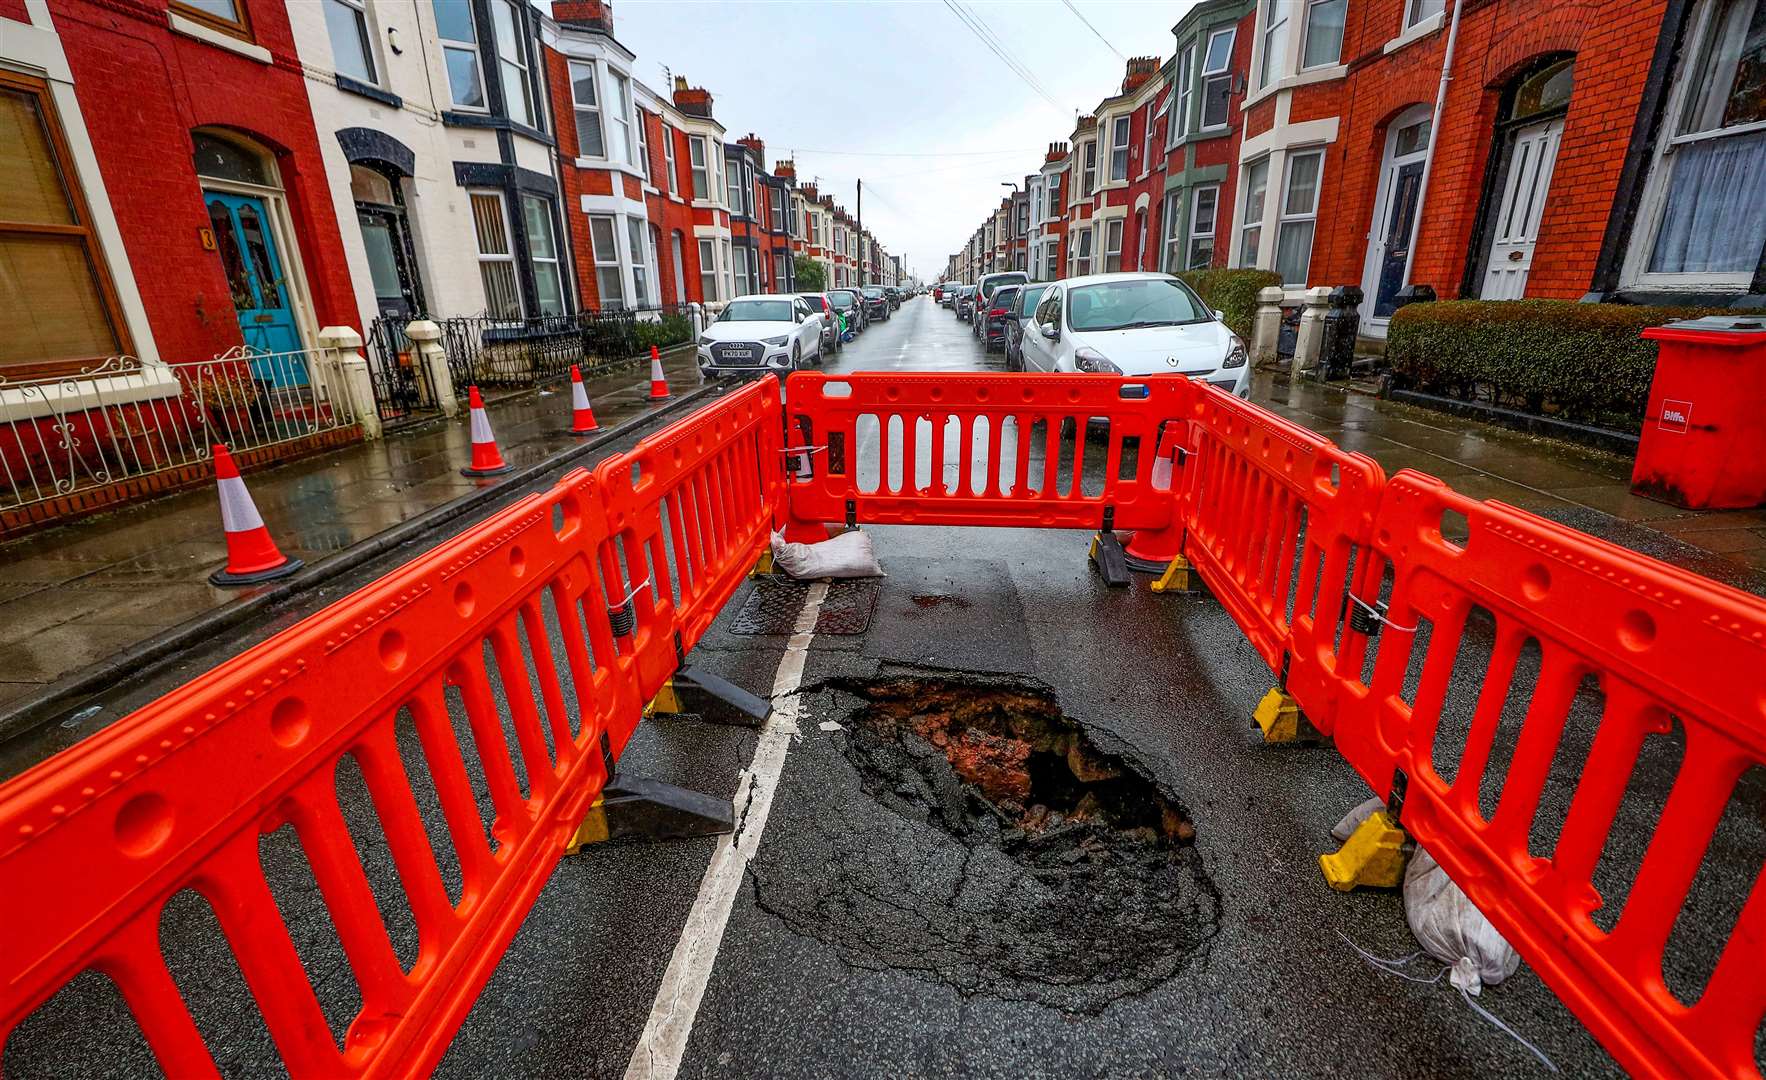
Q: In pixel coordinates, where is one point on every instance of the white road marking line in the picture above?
(664, 1042)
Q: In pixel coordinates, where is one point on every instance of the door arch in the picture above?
(1394, 221)
(1518, 185)
(386, 236)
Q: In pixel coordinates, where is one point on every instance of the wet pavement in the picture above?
(875, 933)
(73, 595)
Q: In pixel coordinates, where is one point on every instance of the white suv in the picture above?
(761, 333)
(1134, 324)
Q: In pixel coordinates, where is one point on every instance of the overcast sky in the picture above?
(900, 93)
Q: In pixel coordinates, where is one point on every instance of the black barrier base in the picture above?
(636, 808)
(717, 700)
(1107, 555)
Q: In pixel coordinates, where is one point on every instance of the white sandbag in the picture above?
(1452, 930)
(848, 555)
(1353, 819)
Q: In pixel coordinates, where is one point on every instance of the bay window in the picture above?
(1170, 213)
(1082, 252)
(1177, 123)
(506, 21)
(1256, 193)
(668, 156)
(1275, 41)
(1323, 44)
(1706, 201)
(634, 228)
(1217, 78)
(1299, 213)
(586, 103)
(496, 258)
(1088, 176)
(1119, 130)
(619, 118)
(642, 130)
(459, 41)
(1112, 245)
(542, 251)
(609, 280)
(696, 150)
(708, 270)
(1204, 205)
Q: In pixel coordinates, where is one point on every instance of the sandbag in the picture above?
(848, 555)
(1452, 930)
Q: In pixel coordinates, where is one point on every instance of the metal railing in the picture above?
(124, 418)
(402, 385)
(487, 351)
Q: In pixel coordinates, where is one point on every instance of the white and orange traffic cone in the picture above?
(251, 555)
(487, 460)
(658, 384)
(582, 418)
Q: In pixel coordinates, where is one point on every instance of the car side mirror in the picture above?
(1049, 331)
(1219, 314)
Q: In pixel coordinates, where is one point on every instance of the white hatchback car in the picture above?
(1134, 324)
(761, 333)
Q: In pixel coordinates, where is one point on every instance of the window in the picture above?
(459, 41)
(1119, 131)
(496, 260)
(668, 155)
(1256, 191)
(619, 120)
(609, 280)
(1217, 79)
(351, 52)
(1177, 121)
(652, 263)
(1169, 214)
(733, 187)
(1053, 262)
(227, 16)
(1054, 197)
(1147, 150)
(512, 61)
(1112, 245)
(55, 299)
(586, 102)
(641, 126)
(1088, 177)
(1203, 207)
(777, 198)
(634, 228)
(1299, 211)
(1708, 185)
(1324, 33)
(708, 270)
(1275, 41)
(701, 167)
(727, 264)
(542, 249)
(1418, 10)
(781, 271)
(1082, 252)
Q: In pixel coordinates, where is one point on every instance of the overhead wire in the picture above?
(1078, 15)
(975, 26)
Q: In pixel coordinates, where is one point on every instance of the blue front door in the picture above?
(255, 277)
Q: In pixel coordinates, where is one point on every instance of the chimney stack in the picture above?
(787, 169)
(1057, 151)
(692, 100)
(584, 14)
(1140, 69)
(753, 143)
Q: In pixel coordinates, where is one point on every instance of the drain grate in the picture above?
(775, 603)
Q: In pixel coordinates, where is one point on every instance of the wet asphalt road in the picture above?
(1266, 985)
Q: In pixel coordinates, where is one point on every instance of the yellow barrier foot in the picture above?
(1176, 577)
(636, 808)
(1279, 715)
(763, 565)
(1373, 856)
(709, 697)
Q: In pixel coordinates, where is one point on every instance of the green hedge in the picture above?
(1579, 362)
(664, 332)
(1233, 292)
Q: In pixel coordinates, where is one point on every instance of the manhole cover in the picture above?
(1036, 866)
(775, 603)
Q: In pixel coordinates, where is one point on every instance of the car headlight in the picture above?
(1236, 356)
(705, 339)
(1086, 358)
(778, 342)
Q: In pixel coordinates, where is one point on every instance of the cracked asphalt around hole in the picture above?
(887, 925)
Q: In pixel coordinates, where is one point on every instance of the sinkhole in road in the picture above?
(1003, 853)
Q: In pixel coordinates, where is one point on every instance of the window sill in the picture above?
(1304, 78)
(454, 118)
(612, 166)
(209, 35)
(1415, 33)
(370, 91)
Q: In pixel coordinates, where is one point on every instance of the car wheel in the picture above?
(797, 357)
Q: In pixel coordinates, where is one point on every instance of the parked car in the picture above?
(1023, 305)
(1134, 324)
(849, 304)
(984, 290)
(876, 302)
(965, 301)
(761, 332)
(998, 312)
(819, 303)
(946, 294)
(894, 294)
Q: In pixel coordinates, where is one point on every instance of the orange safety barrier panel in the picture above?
(1664, 646)
(690, 509)
(963, 449)
(96, 841)
(1274, 518)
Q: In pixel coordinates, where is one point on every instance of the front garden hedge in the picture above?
(1583, 363)
(1233, 293)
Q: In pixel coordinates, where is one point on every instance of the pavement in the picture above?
(866, 937)
(74, 595)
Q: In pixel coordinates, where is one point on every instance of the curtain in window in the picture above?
(1715, 218)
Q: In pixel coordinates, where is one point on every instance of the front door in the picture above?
(260, 291)
(1403, 184)
(1533, 152)
(389, 265)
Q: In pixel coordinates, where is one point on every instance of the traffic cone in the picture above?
(582, 418)
(1150, 551)
(487, 460)
(658, 384)
(251, 555)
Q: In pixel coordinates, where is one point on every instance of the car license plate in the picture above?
(739, 354)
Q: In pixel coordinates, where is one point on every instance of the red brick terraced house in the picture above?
(1206, 76)
(668, 198)
(1048, 220)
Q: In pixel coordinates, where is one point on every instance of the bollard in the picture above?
(1267, 329)
(1308, 343)
(426, 337)
(348, 379)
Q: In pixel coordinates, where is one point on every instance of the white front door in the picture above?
(1532, 155)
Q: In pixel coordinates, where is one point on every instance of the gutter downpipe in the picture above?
(1422, 194)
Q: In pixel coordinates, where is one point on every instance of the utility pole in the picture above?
(861, 234)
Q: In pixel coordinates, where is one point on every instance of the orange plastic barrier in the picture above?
(690, 510)
(95, 841)
(1277, 520)
(962, 449)
(1664, 645)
